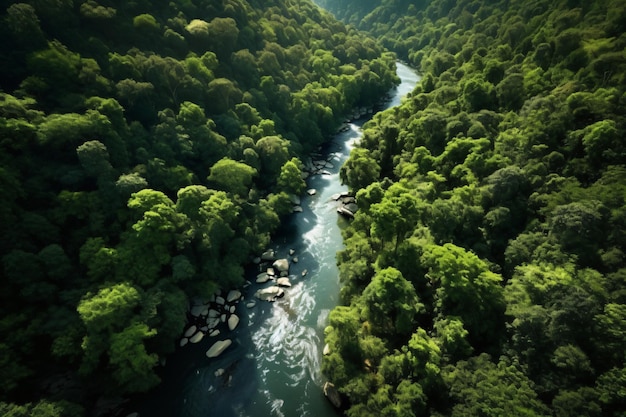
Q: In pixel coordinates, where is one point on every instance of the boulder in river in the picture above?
(268, 255)
(183, 341)
(196, 337)
(233, 295)
(233, 321)
(218, 347)
(269, 293)
(191, 330)
(281, 265)
(283, 282)
(332, 394)
(297, 209)
(262, 278)
(311, 191)
(196, 310)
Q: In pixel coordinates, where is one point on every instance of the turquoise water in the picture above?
(273, 366)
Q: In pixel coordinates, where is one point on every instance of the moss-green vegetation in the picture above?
(484, 273)
(145, 152)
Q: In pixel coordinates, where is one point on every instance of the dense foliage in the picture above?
(146, 150)
(484, 272)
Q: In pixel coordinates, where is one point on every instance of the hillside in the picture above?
(147, 150)
(484, 273)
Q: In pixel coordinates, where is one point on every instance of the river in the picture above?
(273, 366)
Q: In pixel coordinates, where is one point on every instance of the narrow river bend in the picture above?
(273, 366)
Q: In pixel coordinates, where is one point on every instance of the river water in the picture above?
(273, 366)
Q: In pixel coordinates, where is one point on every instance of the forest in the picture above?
(147, 151)
(484, 273)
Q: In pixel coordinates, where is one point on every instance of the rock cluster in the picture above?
(205, 317)
(275, 270)
(347, 204)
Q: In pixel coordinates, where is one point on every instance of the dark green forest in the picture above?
(484, 272)
(147, 150)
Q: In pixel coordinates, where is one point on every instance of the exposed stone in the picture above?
(213, 313)
(326, 350)
(295, 260)
(271, 272)
(268, 255)
(352, 207)
(233, 295)
(291, 252)
(196, 337)
(335, 196)
(232, 309)
(223, 318)
(219, 372)
(281, 265)
(212, 322)
(311, 191)
(295, 200)
(297, 209)
(345, 212)
(262, 278)
(191, 330)
(218, 347)
(283, 282)
(196, 310)
(269, 293)
(304, 272)
(233, 321)
(214, 332)
(250, 304)
(220, 301)
(332, 394)
(184, 341)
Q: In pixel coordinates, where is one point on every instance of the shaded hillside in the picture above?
(489, 244)
(147, 150)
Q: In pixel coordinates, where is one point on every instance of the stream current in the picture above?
(273, 366)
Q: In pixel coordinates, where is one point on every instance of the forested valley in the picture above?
(147, 151)
(484, 273)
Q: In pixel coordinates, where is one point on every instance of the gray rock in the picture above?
(262, 278)
(269, 293)
(281, 265)
(297, 209)
(233, 295)
(191, 330)
(213, 322)
(295, 200)
(283, 282)
(183, 341)
(332, 394)
(233, 321)
(268, 255)
(196, 337)
(218, 347)
(311, 191)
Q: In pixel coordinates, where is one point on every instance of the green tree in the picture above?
(391, 304)
(232, 176)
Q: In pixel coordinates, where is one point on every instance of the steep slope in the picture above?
(489, 244)
(147, 149)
